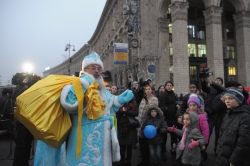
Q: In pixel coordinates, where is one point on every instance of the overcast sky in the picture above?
(36, 32)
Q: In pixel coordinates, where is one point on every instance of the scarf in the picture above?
(183, 139)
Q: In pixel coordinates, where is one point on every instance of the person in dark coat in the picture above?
(171, 109)
(24, 137)
(3, 99)
(219, 108)
(233, 145)
(162, 100)
(127, 134)
(138, 92)
(211, 89)
(155, 118)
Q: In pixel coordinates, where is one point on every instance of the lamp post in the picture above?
(67, 47)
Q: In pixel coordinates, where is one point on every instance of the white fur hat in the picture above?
(92, 59)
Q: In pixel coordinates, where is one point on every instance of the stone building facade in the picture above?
(174, 37)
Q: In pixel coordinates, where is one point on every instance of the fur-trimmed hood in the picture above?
(152, 107)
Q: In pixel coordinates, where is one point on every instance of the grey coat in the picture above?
(190, 156)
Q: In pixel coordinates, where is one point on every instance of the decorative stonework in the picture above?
(179, 11)
(213, 15)
(163, 24)
(150, 35)
(242, 19)
(150, 4)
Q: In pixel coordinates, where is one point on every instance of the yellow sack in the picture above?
(39, 109)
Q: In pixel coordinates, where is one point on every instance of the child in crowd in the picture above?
(233, 145)
(188, 149)
(155, 118)
(195, 105)
(179, 122)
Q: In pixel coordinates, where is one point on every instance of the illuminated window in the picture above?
(232, 71)
(191, 31)
(170, 48)
(201, 32)
(191, 50)
(170, 30)
(202, 50)
(169, 9)
(193, 70)
(230, 52)
(171, 70)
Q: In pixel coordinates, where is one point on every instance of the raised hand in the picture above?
(172, 129)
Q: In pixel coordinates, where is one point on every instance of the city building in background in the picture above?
(168, 40)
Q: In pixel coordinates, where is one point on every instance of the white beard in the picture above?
(97, 80)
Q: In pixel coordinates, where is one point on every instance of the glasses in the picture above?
(94, 68)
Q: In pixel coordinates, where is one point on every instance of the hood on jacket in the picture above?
(194, 119)
(152, 107)
(241, 108)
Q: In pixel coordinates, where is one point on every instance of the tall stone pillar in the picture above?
(180, 47)
(162, 68)
(242, 25)
(214, 41)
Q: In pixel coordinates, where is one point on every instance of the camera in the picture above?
(19, 77)
(204, 71)
(9, 91)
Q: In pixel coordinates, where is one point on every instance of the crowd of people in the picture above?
(223, 109)
(111, 136)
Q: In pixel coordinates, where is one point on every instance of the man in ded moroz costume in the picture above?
(95, 142)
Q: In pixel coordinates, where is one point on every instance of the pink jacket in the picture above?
(248, 101)
(203, 126)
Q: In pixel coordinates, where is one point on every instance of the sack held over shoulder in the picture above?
(39, 109)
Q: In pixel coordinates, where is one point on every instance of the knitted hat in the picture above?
(232, 84)
(194, 98)
(92, 59)
(236, 94)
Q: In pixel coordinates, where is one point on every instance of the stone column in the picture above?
(214, 41)
(163, 63)
(242, 25)
(180, 47)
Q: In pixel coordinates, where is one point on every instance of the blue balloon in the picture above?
(149, 131)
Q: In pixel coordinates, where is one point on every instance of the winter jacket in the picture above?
(126, 134)
(162, 102)
(158, 122)
(138, 94)
(212, 91)
(248, 101)
(170, 105)
(190, 156)
(152, 100)
(233, 144)
(203, 126)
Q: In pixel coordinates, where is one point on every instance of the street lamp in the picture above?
(129, 9)
(67, 47)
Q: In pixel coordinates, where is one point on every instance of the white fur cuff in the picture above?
(115, 146)
(63, 96)
(116, 102)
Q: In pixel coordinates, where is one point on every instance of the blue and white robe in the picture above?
(99, 139)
